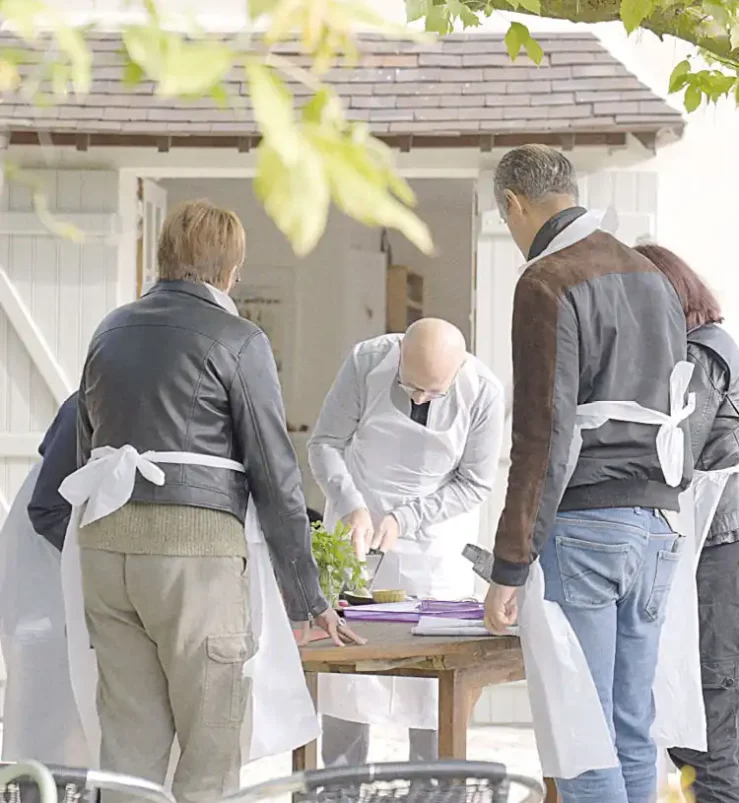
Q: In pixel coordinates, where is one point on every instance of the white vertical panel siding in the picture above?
(67, 287)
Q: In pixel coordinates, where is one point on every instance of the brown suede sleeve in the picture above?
(545, 370)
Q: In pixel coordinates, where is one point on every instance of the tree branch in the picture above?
(686, 23)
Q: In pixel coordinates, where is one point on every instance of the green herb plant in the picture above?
(339, 567)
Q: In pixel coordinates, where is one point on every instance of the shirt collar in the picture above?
(554, 226)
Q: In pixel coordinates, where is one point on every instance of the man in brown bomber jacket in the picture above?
(592, 321)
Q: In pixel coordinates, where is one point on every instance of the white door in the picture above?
(153, 212)
(53, 294)
(365, 281)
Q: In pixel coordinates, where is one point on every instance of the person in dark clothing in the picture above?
(714, 432)
(48, 510)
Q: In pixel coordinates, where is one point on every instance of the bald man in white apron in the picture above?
(405, 450)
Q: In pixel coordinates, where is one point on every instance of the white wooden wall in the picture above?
(631, 200)
(62, 290)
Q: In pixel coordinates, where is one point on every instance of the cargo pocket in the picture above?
(667, 561)
(226, 687)
(721, 696)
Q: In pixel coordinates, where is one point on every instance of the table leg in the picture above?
(552, 793)
(453, 715)
(306, 757)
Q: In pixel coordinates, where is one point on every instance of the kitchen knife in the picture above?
(373, 561)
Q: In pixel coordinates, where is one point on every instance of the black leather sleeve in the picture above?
(709, 383)
(274, 478)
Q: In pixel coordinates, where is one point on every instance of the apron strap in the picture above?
(105, 484)
(670, 438)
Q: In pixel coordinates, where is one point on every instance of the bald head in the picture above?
(431, 354)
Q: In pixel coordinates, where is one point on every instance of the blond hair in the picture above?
(201, 242)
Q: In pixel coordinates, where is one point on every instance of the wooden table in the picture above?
(463, 666)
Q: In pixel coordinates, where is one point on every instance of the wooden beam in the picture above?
(83, 142)
(164, 144)
(648, 140)
(503, 140)
(244, 144)
(487, 142)
(33, 339)
(568, 142)
(13, 444)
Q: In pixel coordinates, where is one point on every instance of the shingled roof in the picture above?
(464, 85)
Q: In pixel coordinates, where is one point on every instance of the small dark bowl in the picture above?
(354, 599)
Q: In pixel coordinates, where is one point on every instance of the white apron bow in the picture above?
(571, 731)
(281, 714)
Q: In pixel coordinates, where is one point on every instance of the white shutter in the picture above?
(53, 294)
(629, 199)
(153, 212)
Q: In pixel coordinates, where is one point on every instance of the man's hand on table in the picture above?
(330, 622)
(501, 608)
(359, 522)
(386, 534)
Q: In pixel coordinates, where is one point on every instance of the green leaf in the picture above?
(296, 196)
(439, 20)
(534, 51)
(258, 8)
(534, 6)
(463, 12)
(133, 74)
(324, 107)
(273, 110)
(72, 43)
(360, 190)
(193, 69)
(22, 16)
(678, 77)
(417, 9)
(693, 97)
(144, 46)
(516, 37)
(220, 97)
(634, 12)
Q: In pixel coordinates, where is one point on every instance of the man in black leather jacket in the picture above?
(714, 434)
(164, 576)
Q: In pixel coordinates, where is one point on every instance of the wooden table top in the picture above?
(391, 643)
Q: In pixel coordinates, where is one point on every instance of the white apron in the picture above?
(562, 691)
(40, 719)
(282, 716)
(393, 460)
(678, 688)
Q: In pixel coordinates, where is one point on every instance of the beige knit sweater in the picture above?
(176, 530)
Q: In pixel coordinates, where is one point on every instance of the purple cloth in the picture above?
(436, 608)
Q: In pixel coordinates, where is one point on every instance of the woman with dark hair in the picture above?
(714, 433)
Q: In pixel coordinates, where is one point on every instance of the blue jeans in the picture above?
(611, 570)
